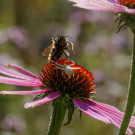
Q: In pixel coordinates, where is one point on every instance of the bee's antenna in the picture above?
(55, 36)
(60, 36)
(68, 36)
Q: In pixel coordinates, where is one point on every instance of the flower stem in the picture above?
(131, 96)
(59, 110)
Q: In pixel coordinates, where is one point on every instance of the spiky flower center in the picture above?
(127, 3)
(79, 84)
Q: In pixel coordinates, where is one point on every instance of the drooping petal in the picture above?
(30, 83)
(14, 74)
(114, 115)
(22, 70)
(26, 92)
(117, 112)
(103, 5)
(91, 111)
(48, 98)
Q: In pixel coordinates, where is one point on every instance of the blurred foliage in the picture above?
(26, 27)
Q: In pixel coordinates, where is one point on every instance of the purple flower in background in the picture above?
(55, 83)
(13, 123)
(127, 6)
(19, 36)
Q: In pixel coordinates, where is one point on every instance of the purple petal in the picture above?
(12, 73)
(91, 111)
(113, 114)
(26, 92)
(30, 83)
(117, 112)
(48, 98)
(103, 5)
(22, 70)
(132, 122)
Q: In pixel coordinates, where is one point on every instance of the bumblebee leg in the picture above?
(66, 53)
(72, 46)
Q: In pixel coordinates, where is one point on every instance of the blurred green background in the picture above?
(26, 27)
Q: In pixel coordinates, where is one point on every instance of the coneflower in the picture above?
(66, 91)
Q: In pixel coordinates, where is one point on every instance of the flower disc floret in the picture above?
(127, 3)
(79, 84)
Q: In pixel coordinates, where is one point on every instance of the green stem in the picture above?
(59, 110)
(131, 96)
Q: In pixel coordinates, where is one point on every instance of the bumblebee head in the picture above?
(60, 40)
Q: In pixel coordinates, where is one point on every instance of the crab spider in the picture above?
(66, 68)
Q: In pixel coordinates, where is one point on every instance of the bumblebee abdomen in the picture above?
(55, 54)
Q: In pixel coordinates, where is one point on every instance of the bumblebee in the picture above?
(58, 47)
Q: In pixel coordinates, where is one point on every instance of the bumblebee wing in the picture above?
(47, 50)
